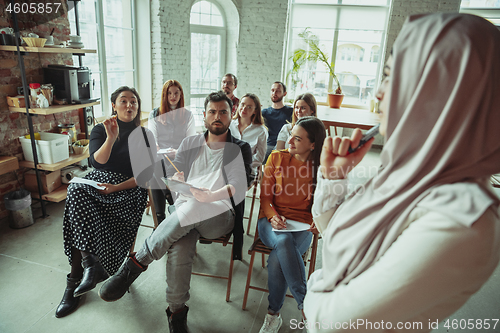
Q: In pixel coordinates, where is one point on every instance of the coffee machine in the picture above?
(72, 84)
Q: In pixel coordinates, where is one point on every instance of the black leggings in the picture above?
(159, 199)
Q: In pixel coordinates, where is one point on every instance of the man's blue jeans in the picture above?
(285, 267)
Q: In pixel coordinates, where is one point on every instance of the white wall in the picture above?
(170, 45)
(260, 50)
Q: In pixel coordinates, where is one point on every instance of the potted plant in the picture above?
(314, 54)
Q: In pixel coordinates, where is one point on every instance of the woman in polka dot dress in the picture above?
(100, 225)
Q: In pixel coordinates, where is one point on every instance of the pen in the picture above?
(171, 162)
(275, 212)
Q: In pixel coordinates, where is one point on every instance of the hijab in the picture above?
(442, 142)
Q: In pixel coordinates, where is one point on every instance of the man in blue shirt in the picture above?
(277, 115)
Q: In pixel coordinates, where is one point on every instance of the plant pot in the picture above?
(335, 100)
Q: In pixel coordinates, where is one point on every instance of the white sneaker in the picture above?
(272, 324)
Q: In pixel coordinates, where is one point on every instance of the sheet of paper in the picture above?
(292, 226)
(92, 183)
(180, 187)
(165, 151)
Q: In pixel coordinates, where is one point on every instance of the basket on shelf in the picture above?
(35, 42)
(81, 146)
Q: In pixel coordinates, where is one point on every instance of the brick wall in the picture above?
(171, 45)
(260, 50)
(13, 124)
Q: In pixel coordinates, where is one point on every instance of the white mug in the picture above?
(50, 40)
(75, 38)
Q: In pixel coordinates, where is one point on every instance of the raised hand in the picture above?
(111, 127)
(335, 161)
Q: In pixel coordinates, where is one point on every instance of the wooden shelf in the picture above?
(45, 49)
(58, 195)
(8, 164)
(54, 108)
(56, 166)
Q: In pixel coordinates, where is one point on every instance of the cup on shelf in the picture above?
(75, 39)
(50, 40)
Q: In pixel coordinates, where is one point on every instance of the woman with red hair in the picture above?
(170, 124)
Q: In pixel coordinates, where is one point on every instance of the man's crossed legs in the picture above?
(180, 245)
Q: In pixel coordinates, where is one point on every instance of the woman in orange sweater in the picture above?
(287, 193)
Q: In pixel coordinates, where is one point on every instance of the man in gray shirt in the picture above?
(219, 165)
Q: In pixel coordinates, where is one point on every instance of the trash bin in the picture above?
(19, 205)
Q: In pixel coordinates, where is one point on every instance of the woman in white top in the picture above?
(304, 105)
(419, 238)
(248, 125)
(170, 124)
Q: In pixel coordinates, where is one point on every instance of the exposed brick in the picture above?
(8, 63)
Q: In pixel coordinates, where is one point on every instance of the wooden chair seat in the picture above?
(255, 184)
(259, 247)
(149, 205)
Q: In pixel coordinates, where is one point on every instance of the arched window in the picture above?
(208, 49)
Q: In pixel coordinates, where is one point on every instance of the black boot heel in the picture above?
(69, 303)
(93, 273)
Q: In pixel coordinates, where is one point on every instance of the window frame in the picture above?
(335, 44)
(101, 51)
(209, 30)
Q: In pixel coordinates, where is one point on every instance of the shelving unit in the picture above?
(53, 109)
(8, 164)
(46, 49)
(60, 193)
(56, 166)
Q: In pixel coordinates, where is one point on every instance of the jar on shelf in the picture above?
(68, 129)
(35, 90)
(48, 92)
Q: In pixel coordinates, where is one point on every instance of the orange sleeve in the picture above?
(267, 187)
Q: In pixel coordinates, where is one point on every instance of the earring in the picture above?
(312, 149)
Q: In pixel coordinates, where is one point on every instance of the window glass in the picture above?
(489, 9)
(207, 54)
(350, 33)
(117, 28)
(346, 2)
(205, 63)
(206, 13)
(88, 31)
(480, 4)
(197, 108)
